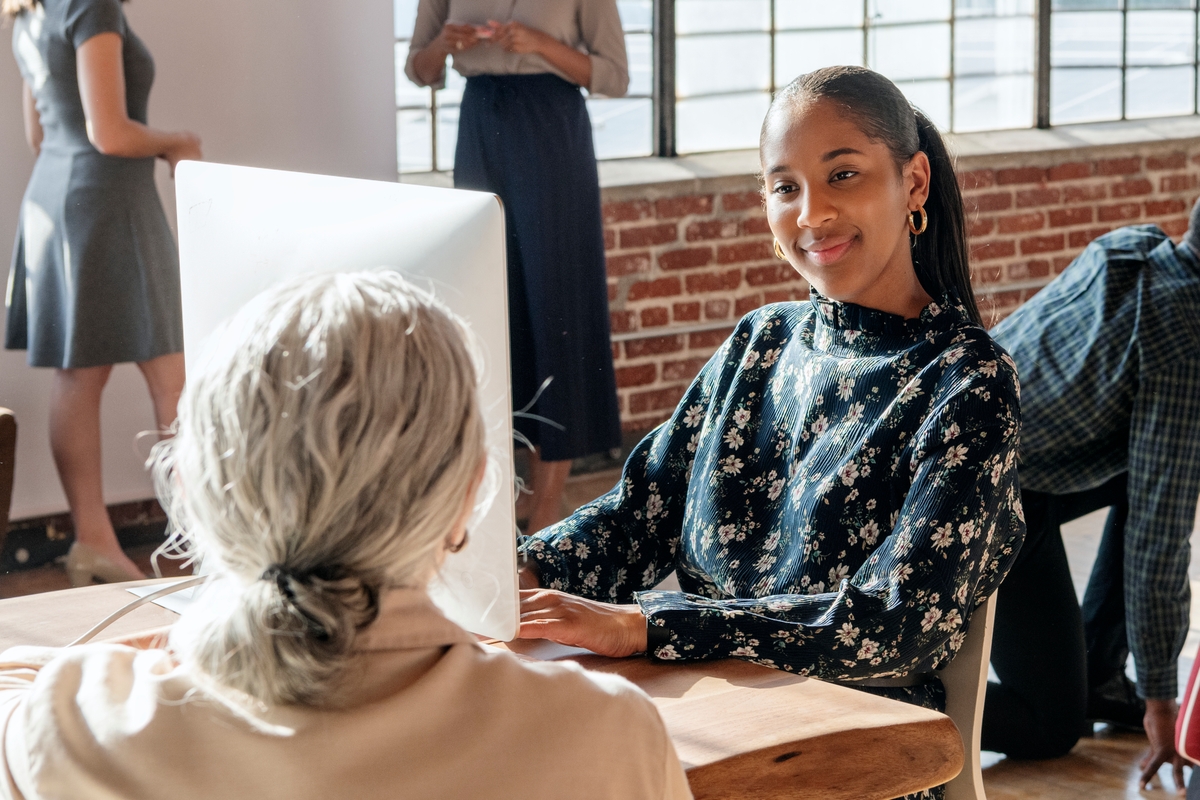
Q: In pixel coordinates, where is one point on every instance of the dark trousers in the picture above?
(1046, 649)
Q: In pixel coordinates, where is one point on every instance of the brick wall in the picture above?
(686, 260)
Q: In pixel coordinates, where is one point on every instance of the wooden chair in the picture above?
(965, 680)
(8, 456)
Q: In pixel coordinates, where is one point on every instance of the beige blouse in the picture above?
(590, 26)
(427, 713)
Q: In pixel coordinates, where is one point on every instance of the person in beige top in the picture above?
(325, 462)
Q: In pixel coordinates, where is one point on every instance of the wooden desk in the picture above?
(742, 731)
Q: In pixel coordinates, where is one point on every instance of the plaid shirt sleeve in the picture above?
(1164, 482)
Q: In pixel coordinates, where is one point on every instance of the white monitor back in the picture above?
(242, 230)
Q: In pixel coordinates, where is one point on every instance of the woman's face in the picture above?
(838, 206)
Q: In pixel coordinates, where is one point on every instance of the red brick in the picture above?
(1119, 166)
(655, 317)
(1009, 298)
(981, 227)
(717, 309)
(986, 275)
(1069, 172)
(1020, 223)
(641, 375)
(997, 201)
(977, 179)
(1024, 270)
(989, 250)
(649, 235)
(784, 295)
(655, 400)
(740, 201)
(711, 229)
(755, 226)
(708, 340)
(1081, 239)
(1061, 218)
(1085, 194)
(745, 251)
(744, 305)
(653, 346)
(1020, 175)
(610, 239)
(686, 312)
(663, 287)
(612, 291)
(628, 264)
(1174, 227)
(1043, 244)
(705, 282)
(1037, 197)
(642, 425)
(630, 211)
(682, 370)
(1132, 187)
(1120, 212)
(1176, 160)
(1061, 263)
(689, 258)
(1177, 183)
(767, 276)
(675, 207)
(621, 321)
(1161, 208)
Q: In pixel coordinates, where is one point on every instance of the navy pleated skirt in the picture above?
(528, 139)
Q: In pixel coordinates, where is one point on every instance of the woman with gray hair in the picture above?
(327, 456)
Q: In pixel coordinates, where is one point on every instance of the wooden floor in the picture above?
(1102, 767)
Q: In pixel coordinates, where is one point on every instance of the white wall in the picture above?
(290, 84)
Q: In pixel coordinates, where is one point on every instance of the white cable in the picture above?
(150, 598)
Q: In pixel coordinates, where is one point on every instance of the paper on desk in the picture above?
(176, 602)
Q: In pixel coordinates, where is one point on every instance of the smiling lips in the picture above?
(827, 251)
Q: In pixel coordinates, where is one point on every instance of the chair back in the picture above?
(965, 679)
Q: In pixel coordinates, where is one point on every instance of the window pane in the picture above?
(817, 14)
(404, 13)
(697, 16)
(639, 47)
(1084, 95)
(447, 131)
(910, 51)
(452, 94)
(1067, 5)
(1160, 37)
(621, 128)
(636, 15)
(798, 53)
(1159, 92)
(708, 64)
(1159, 4)
(993, 46)
(720, 123)
(1087, 40)
(932, 97)
(407, 92)
(982, 104)
(885, 11)
(992, 8)
(414, 142)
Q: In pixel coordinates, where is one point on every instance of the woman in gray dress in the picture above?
(95, 272)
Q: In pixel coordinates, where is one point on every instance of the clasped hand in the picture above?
(512, 37)
(604, 628)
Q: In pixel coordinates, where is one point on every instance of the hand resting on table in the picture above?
(604, 628)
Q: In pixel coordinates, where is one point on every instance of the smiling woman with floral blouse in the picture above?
(837, 489)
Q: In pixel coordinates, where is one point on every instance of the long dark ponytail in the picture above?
(940, 254)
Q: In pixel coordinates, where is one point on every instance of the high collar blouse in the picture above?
(836, 493)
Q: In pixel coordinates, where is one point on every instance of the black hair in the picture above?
(940, 254)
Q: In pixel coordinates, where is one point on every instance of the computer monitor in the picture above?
(241, 230)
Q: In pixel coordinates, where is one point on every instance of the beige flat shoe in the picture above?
(86, 565)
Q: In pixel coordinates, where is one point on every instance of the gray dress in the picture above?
(95, 271)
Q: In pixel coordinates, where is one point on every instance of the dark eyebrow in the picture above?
(841, 151)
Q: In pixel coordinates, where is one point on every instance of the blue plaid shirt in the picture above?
(1109, 361)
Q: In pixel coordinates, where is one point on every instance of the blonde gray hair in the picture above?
(323, 453)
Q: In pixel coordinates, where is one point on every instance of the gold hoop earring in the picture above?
(779, 252)
(460, 544)
(924, 221)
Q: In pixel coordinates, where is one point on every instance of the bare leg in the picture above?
(549, 478)
(164, 376)
(75, 442)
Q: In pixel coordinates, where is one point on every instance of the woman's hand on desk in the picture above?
(604, 628)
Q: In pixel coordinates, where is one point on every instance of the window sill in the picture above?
(637, 172)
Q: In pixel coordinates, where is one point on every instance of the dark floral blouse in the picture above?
(836, 492)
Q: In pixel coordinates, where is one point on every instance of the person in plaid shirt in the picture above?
(1108, 357)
